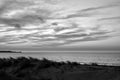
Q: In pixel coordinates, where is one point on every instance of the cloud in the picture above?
(38, 30)
(91, 11)
(53, 37)
(110, 18)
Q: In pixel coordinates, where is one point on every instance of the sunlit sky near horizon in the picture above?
(60, 25)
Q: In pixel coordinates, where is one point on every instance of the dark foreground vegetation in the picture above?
(34, 69)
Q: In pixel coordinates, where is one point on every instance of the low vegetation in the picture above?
(23, 68)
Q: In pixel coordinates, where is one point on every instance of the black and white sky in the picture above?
(71, 25)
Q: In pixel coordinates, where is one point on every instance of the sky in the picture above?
(59, 25)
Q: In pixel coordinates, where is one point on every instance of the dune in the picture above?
(23, 68)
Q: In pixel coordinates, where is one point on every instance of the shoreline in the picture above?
(79, 62)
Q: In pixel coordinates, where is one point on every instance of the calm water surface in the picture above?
(101, 57)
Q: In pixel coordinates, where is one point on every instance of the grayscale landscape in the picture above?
(59, 40)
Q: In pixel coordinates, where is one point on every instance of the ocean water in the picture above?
(100, 57)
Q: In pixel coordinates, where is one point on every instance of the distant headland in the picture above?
(10, 52)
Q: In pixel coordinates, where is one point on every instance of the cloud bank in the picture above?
(39, 26)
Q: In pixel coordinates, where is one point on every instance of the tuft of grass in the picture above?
(23, 68)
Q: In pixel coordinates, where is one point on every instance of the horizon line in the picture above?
(75, 51)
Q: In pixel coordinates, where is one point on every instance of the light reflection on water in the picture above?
(101, 57)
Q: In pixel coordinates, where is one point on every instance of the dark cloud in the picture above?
(110, 18)
(100, 7)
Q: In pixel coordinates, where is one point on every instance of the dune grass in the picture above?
(23, 68)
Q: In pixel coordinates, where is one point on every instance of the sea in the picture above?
(83, 57)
